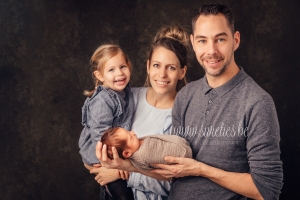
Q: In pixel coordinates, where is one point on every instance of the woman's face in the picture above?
(164, 71)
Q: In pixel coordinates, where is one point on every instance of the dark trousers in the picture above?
(118, 189)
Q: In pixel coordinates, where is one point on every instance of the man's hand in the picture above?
(178, 167)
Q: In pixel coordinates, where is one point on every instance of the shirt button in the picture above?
(210, 101)
(207, 112)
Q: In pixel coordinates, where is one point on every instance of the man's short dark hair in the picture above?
(214, 9)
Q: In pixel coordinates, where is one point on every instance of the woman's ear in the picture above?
(126, 153)
(99, 76)
(148, 63)
(183, 72)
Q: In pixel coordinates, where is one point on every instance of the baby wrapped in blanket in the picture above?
(142, 152)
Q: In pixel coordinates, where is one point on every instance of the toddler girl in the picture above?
(110, 104)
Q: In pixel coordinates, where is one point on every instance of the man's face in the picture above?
(214, 44)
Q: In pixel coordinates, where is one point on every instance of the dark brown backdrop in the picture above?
(45, 46)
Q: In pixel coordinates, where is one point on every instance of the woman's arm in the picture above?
(118, 163)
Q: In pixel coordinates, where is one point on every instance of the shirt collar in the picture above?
(111, 92)
(225, 88)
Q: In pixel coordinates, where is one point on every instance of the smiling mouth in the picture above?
(213, 62)
(162, 82)
(120, 80)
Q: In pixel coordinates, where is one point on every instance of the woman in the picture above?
(166, 68)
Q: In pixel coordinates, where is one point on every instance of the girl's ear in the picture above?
(99, 76)
(130, 66)
(183, 72)
(126, 154)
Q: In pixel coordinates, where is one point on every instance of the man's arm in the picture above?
(241, 183)
(265, 178)
(263, 148)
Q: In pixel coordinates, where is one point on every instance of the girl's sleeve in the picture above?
(102, 112)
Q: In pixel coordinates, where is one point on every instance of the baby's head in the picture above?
(126, 142)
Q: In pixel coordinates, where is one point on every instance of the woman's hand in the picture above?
(116, 163)
(105, 176)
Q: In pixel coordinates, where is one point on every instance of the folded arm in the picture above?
(189, 167)
(264, 180)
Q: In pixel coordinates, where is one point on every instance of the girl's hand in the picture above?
(116, 163)
(105, 176)
(89, 167)
(97, 165)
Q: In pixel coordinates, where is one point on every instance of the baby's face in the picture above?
(133, 142)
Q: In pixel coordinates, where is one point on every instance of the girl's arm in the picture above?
(105, 176)
(101, 114)
(89, 167)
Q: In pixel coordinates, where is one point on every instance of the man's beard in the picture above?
(224, 67)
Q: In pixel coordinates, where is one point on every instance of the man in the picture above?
(230, 122)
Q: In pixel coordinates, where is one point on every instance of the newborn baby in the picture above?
(142, 152)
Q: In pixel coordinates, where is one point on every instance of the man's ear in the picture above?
(237, 40)
(126, 153)
(99, 76)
